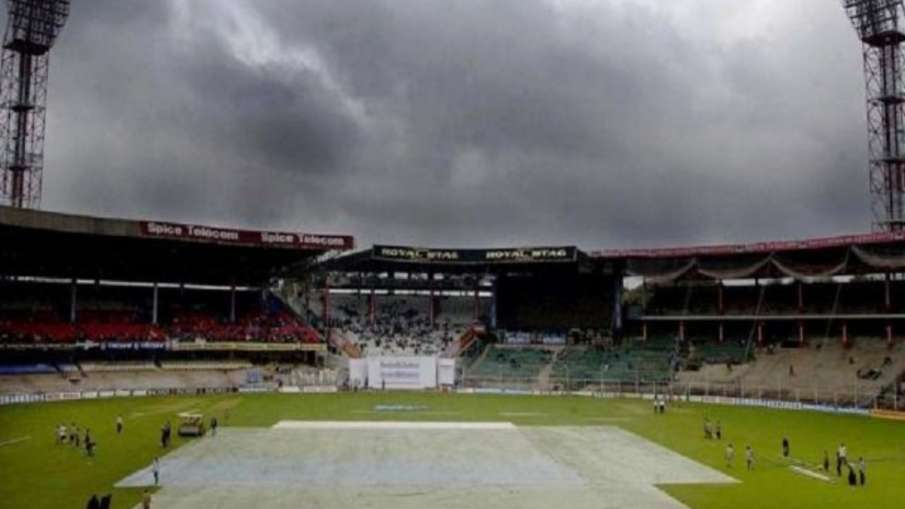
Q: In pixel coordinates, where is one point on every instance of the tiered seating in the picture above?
(628, 363)
(100, 325)
(40, 312)
(26, 369)
(63, 332)
(667, 300)
(582, 363)
(12, 331)
(254, 326)
(460, 310)
(507, 363)
(401, 325)
(710, 352)
(827, 372)
(98, 367)
(206, 365)
(776, 298)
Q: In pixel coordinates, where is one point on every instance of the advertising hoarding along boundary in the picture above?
(292, 240)
(424, 372)
(563, 254)
(402, 372)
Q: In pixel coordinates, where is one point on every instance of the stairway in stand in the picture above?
(543, 379)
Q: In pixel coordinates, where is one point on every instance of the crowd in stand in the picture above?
(398, 328)
(117, 326)
(257, 326)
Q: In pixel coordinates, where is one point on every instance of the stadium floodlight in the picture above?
(32, 28)
(879, 24)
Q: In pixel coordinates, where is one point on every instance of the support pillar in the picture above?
(616, 324)
(644, 331)
(232, 304)
(719, 299)
(326, 299)
(493, 304)
(887, 298)
(154, 305)
(889, 340)
(800, 297)
(681, 330)
(721, 333)
(845, 334)
(73, 300)
(800, 332)
(477, 299)
(760, 333)
(372, 306)
(307, 297)
(431, 305)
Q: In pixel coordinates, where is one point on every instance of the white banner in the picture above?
(358, 372)
(446, 371)
(402, 372)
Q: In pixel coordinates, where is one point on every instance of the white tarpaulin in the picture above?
(402, 372)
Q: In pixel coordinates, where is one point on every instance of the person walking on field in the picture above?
(862, 471)
(785, 447)
(119, 424)
(89, 443)
(839, 461)
(730, 455)
(155, 468)
(841, 458)
(749, 457)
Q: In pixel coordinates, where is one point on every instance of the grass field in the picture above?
(38, 474)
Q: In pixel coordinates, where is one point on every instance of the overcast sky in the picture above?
(609, 123)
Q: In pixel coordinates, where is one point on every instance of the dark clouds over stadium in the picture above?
(464, 123)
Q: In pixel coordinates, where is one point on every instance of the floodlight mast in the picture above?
(879, 24)
(31, 29)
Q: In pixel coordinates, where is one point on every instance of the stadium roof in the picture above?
(815, 258)
(380, 259)
(49, 244)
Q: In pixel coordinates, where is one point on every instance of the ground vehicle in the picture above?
(191, 424)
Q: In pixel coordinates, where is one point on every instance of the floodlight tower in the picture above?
(31, 29)
(879, 24)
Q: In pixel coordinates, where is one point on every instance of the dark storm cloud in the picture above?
(606, 124)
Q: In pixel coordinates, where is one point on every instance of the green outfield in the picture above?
(37, 473)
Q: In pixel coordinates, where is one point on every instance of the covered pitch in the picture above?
(404, 465)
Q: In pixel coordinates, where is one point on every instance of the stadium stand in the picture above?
(846, 375)
(35, 312)
(149, 306)
(501, 362)
(400, 325)
(142, 304)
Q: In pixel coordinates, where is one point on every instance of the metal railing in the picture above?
(853, 396)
